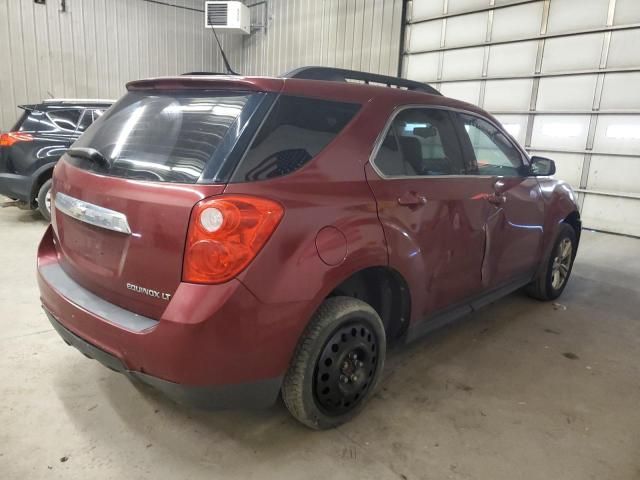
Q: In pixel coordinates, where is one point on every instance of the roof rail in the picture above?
(343, 75)
(202, 73)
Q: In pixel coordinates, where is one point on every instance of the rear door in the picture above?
(501, 174)
(121, 224)
(432, 219)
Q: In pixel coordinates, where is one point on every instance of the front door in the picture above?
(432, 218)
(514, 225)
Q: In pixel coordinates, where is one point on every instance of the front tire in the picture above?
(551, 282)
(44, 200)
(337, 364)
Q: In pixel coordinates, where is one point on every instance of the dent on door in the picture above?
(513, 230)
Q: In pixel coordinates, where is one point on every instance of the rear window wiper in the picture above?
(90, 154)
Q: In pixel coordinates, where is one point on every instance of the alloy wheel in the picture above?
(561, 263)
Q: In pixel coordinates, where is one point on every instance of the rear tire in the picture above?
(551, 282)
(44, 200)
(337, 364)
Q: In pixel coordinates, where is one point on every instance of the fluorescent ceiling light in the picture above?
(625, 132)
(562, 129)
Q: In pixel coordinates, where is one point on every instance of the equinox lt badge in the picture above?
(149, 292)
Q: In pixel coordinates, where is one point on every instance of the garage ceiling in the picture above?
(558, 74)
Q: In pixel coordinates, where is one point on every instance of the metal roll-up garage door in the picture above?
(563, 76)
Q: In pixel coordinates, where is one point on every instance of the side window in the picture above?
(85, 121)
(295, 131)
(389, 158)
(88, 117)
(494, 153)
(420, 142)
(66, 119)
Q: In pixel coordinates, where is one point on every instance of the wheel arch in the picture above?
(385, 289)
(40, 176)
(574, 220)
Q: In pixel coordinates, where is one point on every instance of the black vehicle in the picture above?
(31, 149)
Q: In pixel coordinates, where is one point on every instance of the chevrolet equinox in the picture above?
(231, 239)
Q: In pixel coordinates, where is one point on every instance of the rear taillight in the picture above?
(8, 139)
(225, 234)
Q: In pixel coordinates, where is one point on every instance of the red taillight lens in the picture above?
(225, 234)
(8, 139)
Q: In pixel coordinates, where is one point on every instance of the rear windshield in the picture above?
(168, 137)
(34, 121)
(53, 120)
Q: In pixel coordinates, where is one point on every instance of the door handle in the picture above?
(496, 199)
(412, 199)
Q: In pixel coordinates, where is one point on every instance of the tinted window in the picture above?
(65, 119)
(420, 142)
(294, 132)
(35, 121)
(85, 121)
(89, 116)
(168, 137)
(494, 153)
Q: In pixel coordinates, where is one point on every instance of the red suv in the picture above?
(227, 239)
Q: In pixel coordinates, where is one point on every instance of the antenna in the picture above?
(224, 57)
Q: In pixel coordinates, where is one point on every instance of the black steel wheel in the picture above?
(337, 363)
(345, 368)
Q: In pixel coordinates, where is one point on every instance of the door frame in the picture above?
(383, 133)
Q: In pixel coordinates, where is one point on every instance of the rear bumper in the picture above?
(16, 186)
(214, 346)
(246, 395)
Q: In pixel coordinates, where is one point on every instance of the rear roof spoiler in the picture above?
(28, 108)
(207, 81)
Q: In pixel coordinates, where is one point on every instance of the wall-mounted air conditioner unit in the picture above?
(231, 17)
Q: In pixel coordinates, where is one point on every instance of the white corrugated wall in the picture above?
(354, 34)
(96, 46)
(93, 48)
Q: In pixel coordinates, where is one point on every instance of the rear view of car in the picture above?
(30, 150)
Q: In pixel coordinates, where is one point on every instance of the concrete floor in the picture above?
(522, 389)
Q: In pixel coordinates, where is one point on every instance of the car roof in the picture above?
(338, 89)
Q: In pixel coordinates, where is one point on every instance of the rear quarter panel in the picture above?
(331, 190)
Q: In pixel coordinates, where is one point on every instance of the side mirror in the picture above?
(542, 167)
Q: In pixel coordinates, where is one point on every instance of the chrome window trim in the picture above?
(92, 214)
(424, 106)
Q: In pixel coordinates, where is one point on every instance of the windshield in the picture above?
(168, 137)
